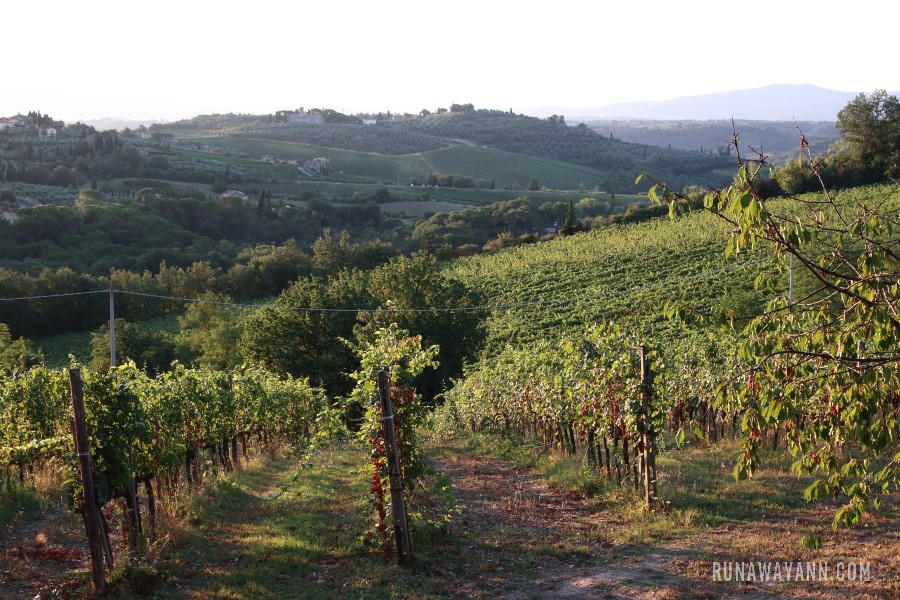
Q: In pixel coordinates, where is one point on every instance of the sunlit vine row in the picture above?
(143, 427)
(583, 393)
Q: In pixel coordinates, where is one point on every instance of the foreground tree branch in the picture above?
(825, 368)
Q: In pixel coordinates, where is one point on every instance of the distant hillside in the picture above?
(777, 139)
(485, 166)
(552, 139)
(784, 102)
(496, 147)
(547, 138)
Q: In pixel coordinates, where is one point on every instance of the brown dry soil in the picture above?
(564, 541)
(44, 556)
(515, 537)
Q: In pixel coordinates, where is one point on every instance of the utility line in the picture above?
(486, 307)
(54, 296)
(427, 310)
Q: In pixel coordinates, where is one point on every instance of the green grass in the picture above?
(57, 348)
(484, 144)
(284, 541)
(236, 541)
(507, 169)
(700, 479)
(482, 197)
(421, 208)
(361, 164)
(513, 171)
(233, 540)
(18, 501)
(530, 517)
(470, 197)
(177, 185)
(271, 170)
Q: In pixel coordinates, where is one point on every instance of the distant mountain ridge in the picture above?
(780, 102)
(118, 124)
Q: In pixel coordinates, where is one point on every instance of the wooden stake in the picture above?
(91, 511)
(649, 453)
(112, 326)
(398, 508)
(107, 547)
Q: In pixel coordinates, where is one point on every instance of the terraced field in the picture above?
(619, 273)
(505, 169)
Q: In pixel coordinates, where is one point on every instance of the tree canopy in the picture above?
(870, 126)
(823, 367)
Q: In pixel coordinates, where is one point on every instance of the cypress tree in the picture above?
(570, 225)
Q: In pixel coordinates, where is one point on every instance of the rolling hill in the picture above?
(507, 170)
(498, 148)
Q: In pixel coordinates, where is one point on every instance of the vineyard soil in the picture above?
(525, 529)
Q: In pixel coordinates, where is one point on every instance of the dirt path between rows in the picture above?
(44, 556)
(554, 542)
(515, 537)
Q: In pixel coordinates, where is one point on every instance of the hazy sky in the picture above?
(171, 59)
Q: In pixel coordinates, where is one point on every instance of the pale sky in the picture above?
(174, 59)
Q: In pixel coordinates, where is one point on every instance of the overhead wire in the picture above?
(484, 307)
(49, 296)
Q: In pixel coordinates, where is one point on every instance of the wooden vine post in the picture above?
(398, 507)
(649, 434)
(92, 516)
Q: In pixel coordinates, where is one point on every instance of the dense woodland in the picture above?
(140, 231)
